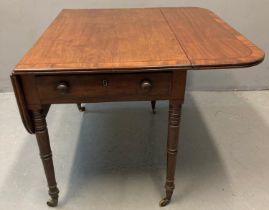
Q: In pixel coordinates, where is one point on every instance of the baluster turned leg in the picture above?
(153, 105)
(42, 137)
(172, 142)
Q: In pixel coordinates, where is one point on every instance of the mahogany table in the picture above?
(101, 55)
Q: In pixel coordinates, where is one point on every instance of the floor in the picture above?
(113, 155)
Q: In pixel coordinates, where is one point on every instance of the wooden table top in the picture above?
(134, 39)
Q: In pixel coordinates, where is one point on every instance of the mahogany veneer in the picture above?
(99, 55)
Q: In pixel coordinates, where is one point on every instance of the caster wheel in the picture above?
(164, 202)
(82, 109)
(52, 202)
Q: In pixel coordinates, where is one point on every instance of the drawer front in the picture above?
(103, 87)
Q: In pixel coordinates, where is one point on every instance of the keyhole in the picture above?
(105, 83)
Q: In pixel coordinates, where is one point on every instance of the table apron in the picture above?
(55, 89)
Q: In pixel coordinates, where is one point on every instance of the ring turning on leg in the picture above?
(172, 142)
(42, 137)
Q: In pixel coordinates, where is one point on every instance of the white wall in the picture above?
(22, 22)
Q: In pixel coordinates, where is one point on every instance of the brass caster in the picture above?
(81, 108)
(52, 202)
(164, 202)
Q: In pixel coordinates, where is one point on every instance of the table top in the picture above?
(135, 39)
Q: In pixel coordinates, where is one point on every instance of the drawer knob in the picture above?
(146, 85)
(62, 88)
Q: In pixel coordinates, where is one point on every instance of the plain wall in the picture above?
(22, 22)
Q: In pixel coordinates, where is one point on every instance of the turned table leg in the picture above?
(172, 142)
(42, 137)
(153, 105)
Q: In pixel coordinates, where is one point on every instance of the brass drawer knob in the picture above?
(62, 88)
(146, 85)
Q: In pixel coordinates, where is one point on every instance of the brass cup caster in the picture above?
(81, 108)
(52, 202)
(164, 202)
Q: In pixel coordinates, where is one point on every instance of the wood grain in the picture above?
(22, 104)
(208, 41)
(91, 88)
(101, 39)
(109, 39)
(123, 55)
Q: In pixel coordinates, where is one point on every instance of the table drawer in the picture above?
(103, 87)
